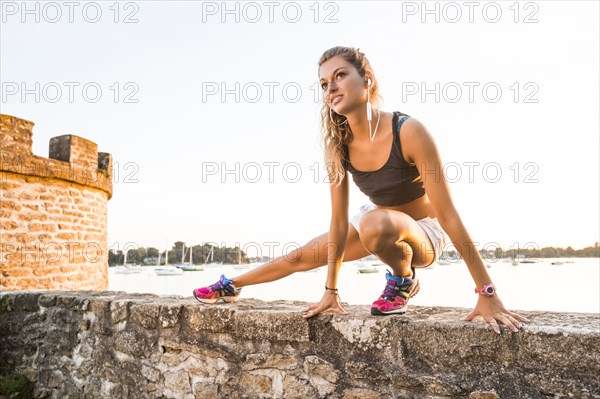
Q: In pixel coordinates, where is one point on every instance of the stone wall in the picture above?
(53, 232)
(113, 345)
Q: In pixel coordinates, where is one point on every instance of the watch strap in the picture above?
(483, 290)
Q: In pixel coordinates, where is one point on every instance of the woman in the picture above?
(394, 160)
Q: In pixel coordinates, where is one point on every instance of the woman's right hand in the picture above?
(328, 304)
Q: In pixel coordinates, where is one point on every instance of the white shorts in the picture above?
(432, 227)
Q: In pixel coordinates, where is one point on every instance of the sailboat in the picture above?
(127, 269)
(210, 255)
(518, 258)
(525, 260)
(189, 267)
(364, 266)
(167, 270)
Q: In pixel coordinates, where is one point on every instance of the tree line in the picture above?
(205, 253)
(546, 252)
(231, 255)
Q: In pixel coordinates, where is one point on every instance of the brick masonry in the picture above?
(53, 211)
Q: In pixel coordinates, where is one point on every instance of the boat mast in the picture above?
(167, 253)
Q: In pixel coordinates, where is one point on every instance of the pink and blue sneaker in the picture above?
(395, 296)
(224, 289)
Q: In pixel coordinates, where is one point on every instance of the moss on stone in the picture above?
(15, 386)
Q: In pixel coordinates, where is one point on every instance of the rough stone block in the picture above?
(230, 351)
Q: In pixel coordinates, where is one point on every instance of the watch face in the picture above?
(489, 290)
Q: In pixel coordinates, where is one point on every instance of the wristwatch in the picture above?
(487, 290)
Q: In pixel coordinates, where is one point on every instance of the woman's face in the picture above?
(344, 90)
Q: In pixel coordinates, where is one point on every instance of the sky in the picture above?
(211, 110)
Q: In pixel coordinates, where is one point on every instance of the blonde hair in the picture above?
(334, 135)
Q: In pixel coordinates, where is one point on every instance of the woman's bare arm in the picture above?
(338, 233)
(420, 148)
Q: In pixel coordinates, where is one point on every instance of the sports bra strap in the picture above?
(399, 117)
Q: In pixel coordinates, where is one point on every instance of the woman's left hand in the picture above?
(492, 310)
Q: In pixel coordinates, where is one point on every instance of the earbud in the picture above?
(368, 82)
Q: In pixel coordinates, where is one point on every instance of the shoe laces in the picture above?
(218, 286)
(392, 288)
(390, 291)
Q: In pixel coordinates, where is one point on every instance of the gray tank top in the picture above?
(395, 183)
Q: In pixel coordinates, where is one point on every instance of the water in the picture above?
(572, 287)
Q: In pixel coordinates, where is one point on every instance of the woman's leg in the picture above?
(397, 239)
(312, 255)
